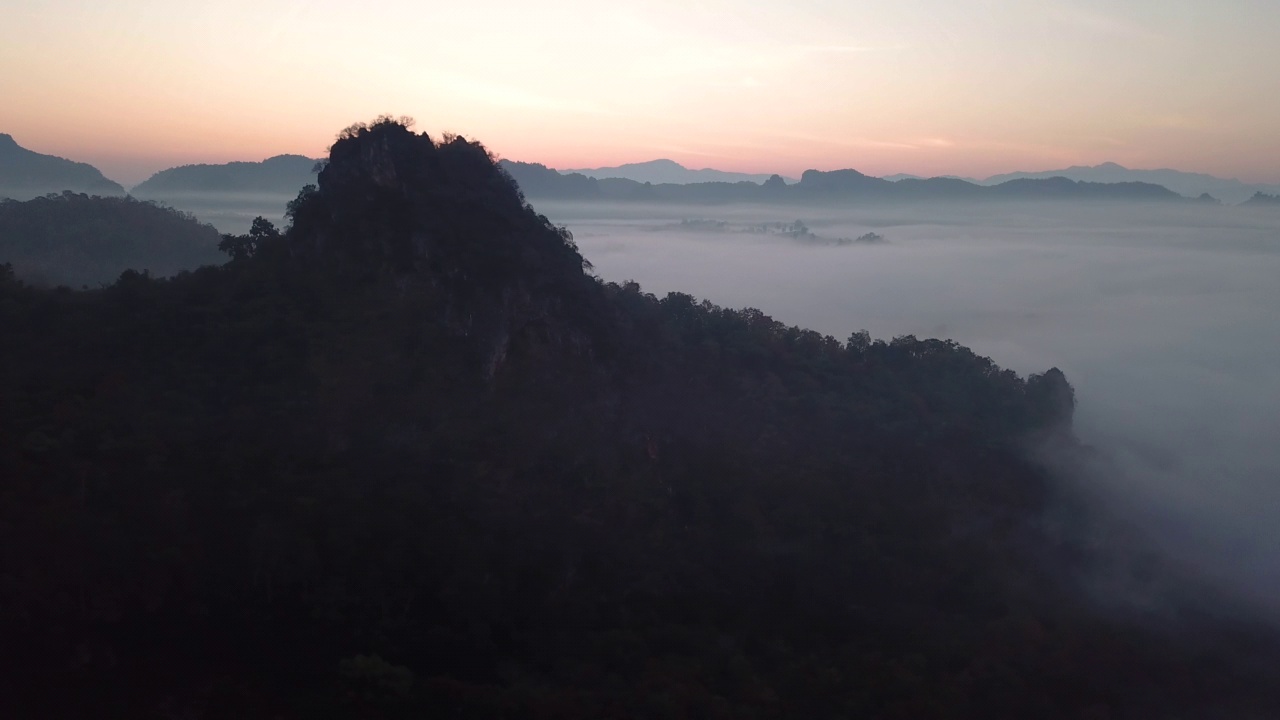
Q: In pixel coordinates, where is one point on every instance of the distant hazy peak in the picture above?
(25, 174)
(844, 172)
(287, 157)
(667, 171)
(908, 176)
(1189, 184)
(660, 162)
(280, 174)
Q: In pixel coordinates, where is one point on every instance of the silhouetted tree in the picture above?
(242, 247)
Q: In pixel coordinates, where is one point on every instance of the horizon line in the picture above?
(582, 169)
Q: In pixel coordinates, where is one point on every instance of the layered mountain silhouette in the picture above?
(1228, 190)
(282, 174)
(408, 458)
(538, 181)
(1188, 184)
(25, 174)
(665, 171)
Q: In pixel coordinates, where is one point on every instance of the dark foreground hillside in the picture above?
(75, 240)
(407, 459)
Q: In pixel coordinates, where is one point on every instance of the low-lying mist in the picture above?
(1163, 318)
(228, 212)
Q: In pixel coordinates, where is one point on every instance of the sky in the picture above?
(965, 87)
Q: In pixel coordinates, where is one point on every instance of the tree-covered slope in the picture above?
(1261, 199)
(25, 174)
(280, 174)
(409, 459)
(77, 240)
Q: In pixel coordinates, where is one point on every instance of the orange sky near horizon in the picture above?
(964, 87)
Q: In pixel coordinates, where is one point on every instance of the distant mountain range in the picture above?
(282, 174)
(1193, 185)
(660, 172)
(1228, 190)
(908, 176)
(25, 174)
(539, 181)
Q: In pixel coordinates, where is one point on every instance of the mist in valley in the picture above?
(1161, 316)
(229, 212)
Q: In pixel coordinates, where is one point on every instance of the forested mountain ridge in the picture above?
(280, 174)
(816, 186)
(1261, 199)
(409, 458)
(25, 174)
(74, 239)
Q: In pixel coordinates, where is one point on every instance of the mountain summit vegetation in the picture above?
(407, 457)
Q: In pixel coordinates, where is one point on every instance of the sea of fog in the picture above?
(228, 212)
(1164, 318)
